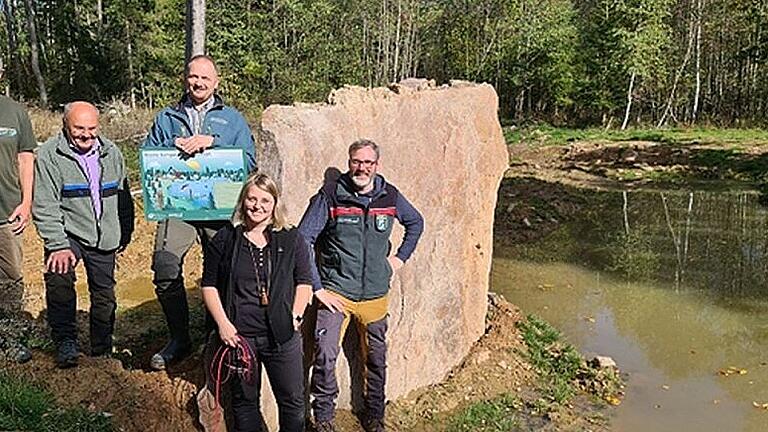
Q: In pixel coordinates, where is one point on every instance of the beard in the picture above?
(362, 181)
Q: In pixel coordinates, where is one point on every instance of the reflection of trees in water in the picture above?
(715, 241)
(705, 240)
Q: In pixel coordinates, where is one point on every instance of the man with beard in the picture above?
(350, 222)
(84, 212)
(200, 121)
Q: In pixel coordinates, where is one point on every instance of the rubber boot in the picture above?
(176, 312)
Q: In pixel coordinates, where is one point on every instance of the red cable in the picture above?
(223, 359)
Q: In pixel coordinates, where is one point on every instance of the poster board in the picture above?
(202, 187)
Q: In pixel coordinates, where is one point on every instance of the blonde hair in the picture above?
(265, 183)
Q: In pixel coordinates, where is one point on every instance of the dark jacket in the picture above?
(352, 233)
(220, 258)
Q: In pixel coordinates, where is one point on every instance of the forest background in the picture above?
(611, 63)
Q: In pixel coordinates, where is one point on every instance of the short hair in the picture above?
(71, 105)
(361, 143)
(265, 183)
(200, 57)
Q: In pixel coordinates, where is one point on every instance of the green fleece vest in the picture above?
(354, 246)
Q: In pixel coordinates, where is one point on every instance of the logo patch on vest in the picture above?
(7, 132)
(348, 219)
(219, 120)
(382, 222)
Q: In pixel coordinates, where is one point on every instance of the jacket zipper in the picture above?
(365, 249)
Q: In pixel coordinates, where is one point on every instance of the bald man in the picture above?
(200, 121)
(83, 211)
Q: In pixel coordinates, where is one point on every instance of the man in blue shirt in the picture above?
(200, 121)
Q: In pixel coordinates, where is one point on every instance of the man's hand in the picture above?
(396, 263)
(330, 300)
(194, 144)
(61, 261)
(19, 218)
(228, 333)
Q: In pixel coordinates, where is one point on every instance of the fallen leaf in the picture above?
(613, 400)
(665, 387)
(732, 370)
(590, 319)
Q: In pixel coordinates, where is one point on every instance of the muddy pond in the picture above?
(673, 286)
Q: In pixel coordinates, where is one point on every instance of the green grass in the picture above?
(543, 134)
(563, 371)
(25, 407)
(556, 361)
(496, 415)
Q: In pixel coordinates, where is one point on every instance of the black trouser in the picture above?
(61, 298)
(284, 367)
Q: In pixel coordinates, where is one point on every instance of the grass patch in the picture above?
(25, 407)
(543, 134)
(563, 370)
(496, 415)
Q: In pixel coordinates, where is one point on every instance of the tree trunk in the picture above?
(34, 57)
(195, 28)
(13, 51)
(697, 92)
(629, 100)
(679, 74)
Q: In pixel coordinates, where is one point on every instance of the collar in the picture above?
(215, 102)
(205, 106)
(90, 152)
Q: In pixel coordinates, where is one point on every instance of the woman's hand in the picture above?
(228, 333)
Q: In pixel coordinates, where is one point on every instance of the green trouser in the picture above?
(11, 287)
(173, 239)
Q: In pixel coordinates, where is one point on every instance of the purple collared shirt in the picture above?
(89, 162)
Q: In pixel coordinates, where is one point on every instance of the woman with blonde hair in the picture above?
(256, 284)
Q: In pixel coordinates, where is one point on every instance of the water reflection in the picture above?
(670, 285)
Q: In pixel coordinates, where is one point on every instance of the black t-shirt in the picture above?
(251, 315)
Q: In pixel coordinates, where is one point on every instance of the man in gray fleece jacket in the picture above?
(83, 211)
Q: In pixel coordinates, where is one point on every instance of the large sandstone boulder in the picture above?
(443, 148)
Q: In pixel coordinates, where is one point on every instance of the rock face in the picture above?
(444, 150)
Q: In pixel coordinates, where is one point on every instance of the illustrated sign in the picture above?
(203, 187)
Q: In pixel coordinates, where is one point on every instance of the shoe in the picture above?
(325, 426)
(173, 351)
(104, 352)
(67, 354)
(374, 425)
(20, 354)
(176, 312)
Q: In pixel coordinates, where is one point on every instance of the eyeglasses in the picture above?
(362, 163)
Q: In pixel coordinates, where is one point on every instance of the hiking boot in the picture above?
(325, 426)
(19, 353)
(67, 354)
(374, 425)
(105, 352)
(173, 351)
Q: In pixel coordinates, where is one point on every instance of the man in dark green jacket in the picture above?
(350, 223)
(83, 211)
